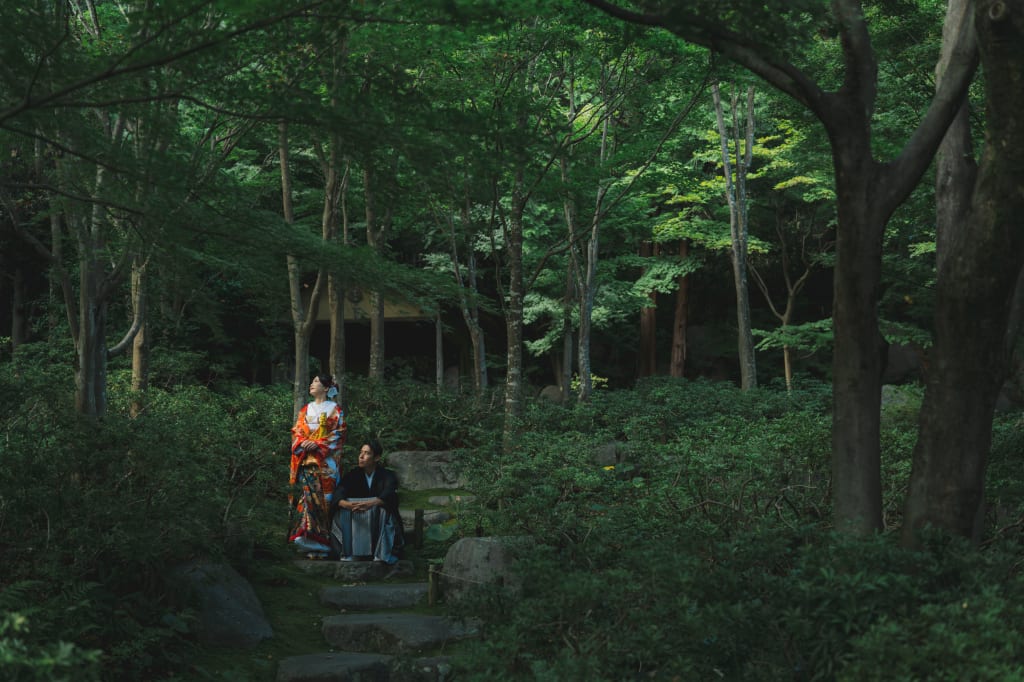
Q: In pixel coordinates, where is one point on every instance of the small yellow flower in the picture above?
(610, 467)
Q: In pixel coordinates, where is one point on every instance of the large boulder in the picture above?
(425, 469)
(230, 613)
(479, 562)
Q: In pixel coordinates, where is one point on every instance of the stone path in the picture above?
(374, 636)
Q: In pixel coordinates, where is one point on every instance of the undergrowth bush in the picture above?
(93, 513)
(406, 414)
(701, 550)
(706, 552)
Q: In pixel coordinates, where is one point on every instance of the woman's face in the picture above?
(316, 389)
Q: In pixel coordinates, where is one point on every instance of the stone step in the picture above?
(334, 667)
(361, 667)
(356, 571)
(392, 633)
(373, 597)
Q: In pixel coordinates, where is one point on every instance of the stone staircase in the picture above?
(380, 632)
(377, 634)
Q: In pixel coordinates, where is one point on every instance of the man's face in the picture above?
(367, 460)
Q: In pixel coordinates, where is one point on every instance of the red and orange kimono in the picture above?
(314, 475)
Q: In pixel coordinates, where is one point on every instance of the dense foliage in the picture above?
(540, 179)
(706, 552)
(678, 528)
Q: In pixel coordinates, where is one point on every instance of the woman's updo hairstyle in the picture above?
(327, 381)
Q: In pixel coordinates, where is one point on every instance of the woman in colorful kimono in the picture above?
(317, 437)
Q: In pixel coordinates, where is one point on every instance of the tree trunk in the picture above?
(974, 289)
(572, 267)
(514, 314)
(735, 192)
(647, 361)
(471, 314)
(588, 292)
(19, 316)
(467, 302)
(335, 182)
(859, 347)
(303, 318)
(374, 238)
(677, 364)
(565, 366)
(91, 350)
(439, 352)
(140, 343)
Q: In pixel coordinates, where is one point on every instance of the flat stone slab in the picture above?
(335, 667)
(431, 517)
(355, 571)
(371, 597)
(359, 667)
(446, 500)
(394, 633)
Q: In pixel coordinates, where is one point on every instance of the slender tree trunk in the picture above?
(439, 352)
(735, 192)
(303, 318)
(974, 289)
(514, 314)
(19, 316)
(566, 364)
(588, 285)
(140, 343)
(572, 267)
(793, 289)
(467, 282)
(336, 176)
(335, 184)
(647, 361)
(91, 351)
(677, 365)
(374, 238)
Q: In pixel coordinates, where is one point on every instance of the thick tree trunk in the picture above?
(677, 365)
(91, 348)
(859, 346)
(975, 286)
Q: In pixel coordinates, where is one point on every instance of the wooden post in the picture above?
(417, 529)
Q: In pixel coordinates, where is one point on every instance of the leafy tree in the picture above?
(769, 41)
